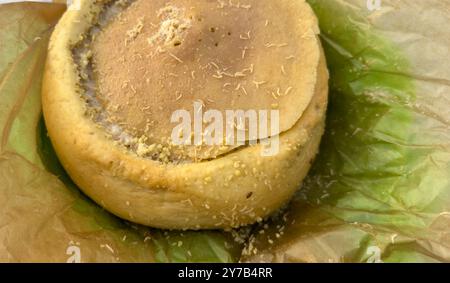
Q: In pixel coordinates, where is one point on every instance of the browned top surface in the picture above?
(156, 58)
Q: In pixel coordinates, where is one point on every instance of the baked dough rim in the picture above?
(172, 196)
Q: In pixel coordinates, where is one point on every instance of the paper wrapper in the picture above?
(379, 190)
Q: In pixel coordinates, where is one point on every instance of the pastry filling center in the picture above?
(145, 60)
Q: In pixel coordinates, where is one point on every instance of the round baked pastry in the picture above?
(121, 75)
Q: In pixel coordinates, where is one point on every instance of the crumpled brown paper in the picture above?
(379, 190)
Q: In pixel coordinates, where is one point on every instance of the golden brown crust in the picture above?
(234, 190)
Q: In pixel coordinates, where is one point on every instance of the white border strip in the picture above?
(18, 1)
(71, 4)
